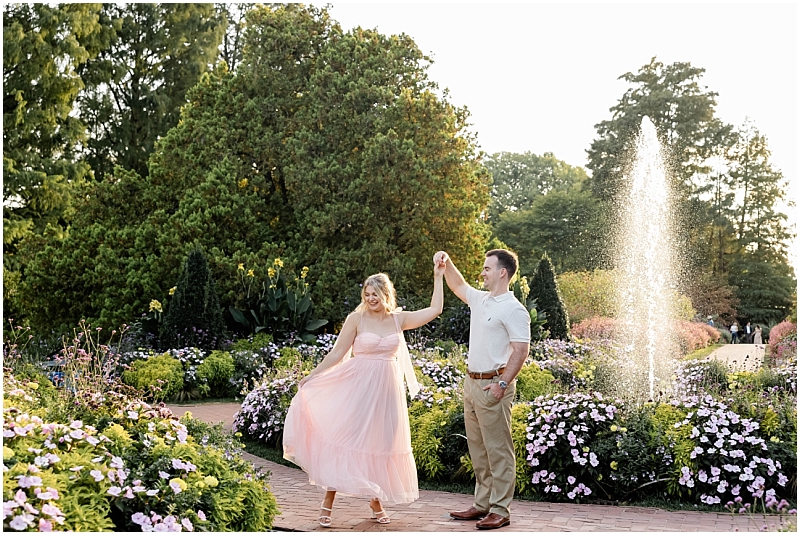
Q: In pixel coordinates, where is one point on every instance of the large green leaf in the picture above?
(238, 315)
(315, 324)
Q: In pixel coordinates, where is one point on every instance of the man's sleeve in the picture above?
(518, 325)
(472, 296)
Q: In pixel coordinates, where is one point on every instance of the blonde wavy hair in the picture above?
(384, 288)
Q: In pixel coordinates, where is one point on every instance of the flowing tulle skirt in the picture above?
(348, 429)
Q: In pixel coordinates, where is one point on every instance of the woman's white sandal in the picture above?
(381, 519)
(325, 521)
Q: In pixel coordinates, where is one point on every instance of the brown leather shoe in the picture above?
(469, 514)
(493, 521)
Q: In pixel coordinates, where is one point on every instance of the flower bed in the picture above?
(135, 468)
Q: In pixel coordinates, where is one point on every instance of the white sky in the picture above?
(538, 77)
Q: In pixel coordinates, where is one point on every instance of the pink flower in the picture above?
(45, 525)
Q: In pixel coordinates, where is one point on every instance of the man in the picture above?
(748, 333)
(499, 340)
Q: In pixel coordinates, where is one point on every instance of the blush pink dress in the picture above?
(348, 427)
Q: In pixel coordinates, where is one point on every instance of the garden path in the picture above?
(741, 357)
(298, 502)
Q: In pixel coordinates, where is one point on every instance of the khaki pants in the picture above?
(488, 424)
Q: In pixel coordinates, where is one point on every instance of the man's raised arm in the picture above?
(455, 280)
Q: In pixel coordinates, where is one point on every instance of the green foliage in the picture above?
(83, 502)
(160, 376)
(253, 343)
(328, 149)
(587, 294)
(518, 180)
(43, 46)
(682, 111)
(765, 289)
(215, 373)
(434, 438)
(563, 224)
(519, 435)
(194, 317)
(533, 382)
(544, 289)
(137, 84)
(276, 305)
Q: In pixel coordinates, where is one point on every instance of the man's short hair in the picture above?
(505, 259)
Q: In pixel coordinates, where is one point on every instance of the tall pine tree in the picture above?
(544, 289)
(43, 47)
(137, 85)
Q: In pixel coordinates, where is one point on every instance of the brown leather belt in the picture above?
(487, 375)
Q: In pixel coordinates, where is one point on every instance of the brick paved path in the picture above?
(741, 357)
(299, 504)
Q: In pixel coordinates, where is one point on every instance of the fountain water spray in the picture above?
(646, 259)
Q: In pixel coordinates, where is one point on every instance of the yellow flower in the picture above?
(200, 485)
(33, 385)
(211, 481)
(181, 483)
(614, 428)
(774, 439)
(271, 272)
(278, 262)
(623, 429)
(172, 290)
(155, 305)
(614, 465)
(188, 414)
(304, 272)
(243, 183)
(250, 273)
(241, 267)
(7, 453)
(585, 449)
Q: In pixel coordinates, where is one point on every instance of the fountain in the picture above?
(646, 262)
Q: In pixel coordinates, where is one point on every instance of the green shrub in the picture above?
(253, 343)
(194, 316)
(160, 376)
(289, 357)
(544, 289)
(533, 382)
(215, 374)
(519, 434)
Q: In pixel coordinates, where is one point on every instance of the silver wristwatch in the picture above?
(502, 384)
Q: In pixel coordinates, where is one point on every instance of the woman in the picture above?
(757, 336)
(348, 427)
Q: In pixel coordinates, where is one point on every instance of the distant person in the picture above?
(757, 336)
(748, 333)
(710, 321)
(734, 333)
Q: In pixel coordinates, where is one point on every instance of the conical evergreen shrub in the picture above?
(544, 289)
(194, 317)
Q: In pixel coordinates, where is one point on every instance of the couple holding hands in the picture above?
(348, 426)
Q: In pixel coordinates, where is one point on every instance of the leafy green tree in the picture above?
(137, 85)
(562, 224)
(765, 289)
(194, 316)
(326, 149)
(753, 179)
(43, 46)
(231, 48)
(518, 179)
(683, 112)
(544, 288)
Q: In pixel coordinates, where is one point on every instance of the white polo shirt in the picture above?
(495, 323)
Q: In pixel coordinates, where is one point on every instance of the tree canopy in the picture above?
(326, 148)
